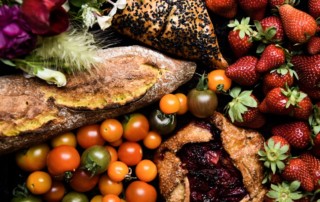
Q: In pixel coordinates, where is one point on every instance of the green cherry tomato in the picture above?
(29, 198)
(161, 122)
(95, 159)
(75, 197)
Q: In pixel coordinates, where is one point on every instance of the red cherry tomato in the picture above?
(130, 153)
(140, 191)
(135, 127)
(83, 181)
(89, 135)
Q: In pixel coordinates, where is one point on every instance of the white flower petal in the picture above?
(113, 11)
(104, 21)
(121, 4)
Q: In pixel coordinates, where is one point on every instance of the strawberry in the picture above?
(270, 30)
(255, 9)
(287, 101)
(272, 57)
(314, 122)
(313, 45)
(243, 71)
(297, 133)
(275, 152)
(314, 8)
(276, 3)
(225, 8)
(314, 167)
(308, 70)
(298, 25)
(313, 93)
(242, 109)
(239, 37)
(297, 169)
(316, 145)
(278, 78)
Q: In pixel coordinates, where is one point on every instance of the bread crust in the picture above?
(172, 177)
(129, 78)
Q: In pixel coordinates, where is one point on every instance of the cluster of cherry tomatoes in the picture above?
(110, 160)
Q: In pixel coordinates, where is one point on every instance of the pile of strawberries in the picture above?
(277, 50)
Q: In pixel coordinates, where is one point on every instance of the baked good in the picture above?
(211, 161)
(179, 27)
(131, 77)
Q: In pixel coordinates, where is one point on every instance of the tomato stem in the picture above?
(203, 83)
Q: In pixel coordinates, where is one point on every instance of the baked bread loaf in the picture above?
(179, 27)
(31, 111)
(213, 161)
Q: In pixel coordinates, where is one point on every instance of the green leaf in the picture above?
(8, 62)
(294, 185)
(273, 194)
(235, 92)
(280, 165)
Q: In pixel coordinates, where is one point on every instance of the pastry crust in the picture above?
(242, 145)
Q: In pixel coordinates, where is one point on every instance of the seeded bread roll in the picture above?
(179, 27)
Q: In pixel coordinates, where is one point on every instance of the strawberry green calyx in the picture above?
(273, 155)
(294, 96)
(265, 36)
(243, 27)
(285, 192)
(285, 69)
(314, 120)
(240, 103)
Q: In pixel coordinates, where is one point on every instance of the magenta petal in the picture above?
(37, 15)
(50, 4)
(11, 30)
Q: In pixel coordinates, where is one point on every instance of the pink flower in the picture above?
(45, 17)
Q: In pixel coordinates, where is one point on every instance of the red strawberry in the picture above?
(243, 71)
(242, 109)
(240, 37)
(298, 25)
(275, 3)
(314, 167)
(271, 29)
(316, 145)
(308, 70)
(272, 57)
(297, 133)
(278, 78)
(226, 8)
(313, 93)
(313, 45)
(296, 169)
(314, 8)
(255, 9)
(303, 110)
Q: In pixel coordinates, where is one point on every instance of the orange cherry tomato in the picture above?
(169, 104)
(140, 191)
(116, 143)
(217, 80)
(130, 153)
(146, 170)
(68, 138)
(113, 153)
(135, 127)
(153, 140)
(39, 182)
(111, 198)
(183, 103)
(62, 159)
(111, 130)
(89, 135)
(96, 198)
(34, 158)
(117, 171)
(55, 193)
(108, 186)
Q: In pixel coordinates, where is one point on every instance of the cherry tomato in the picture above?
(95, 159)
(68, 138)
(162, 123)
(113, 153)
(111, 198)
(55, 193)
(135, 127)
(153, 140)
(146, 170)
(116, 143)
(169, 104)
(83, 181)
(89, 135)
(111, 130)
(96, 198)
(130, 153)
(140, 191)
(117, 171)
(34, 158)
(75, 197)
(108, 186)
(62, 159)
(218, 81)
(39, 182)
(29, 198)
(183, 103)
